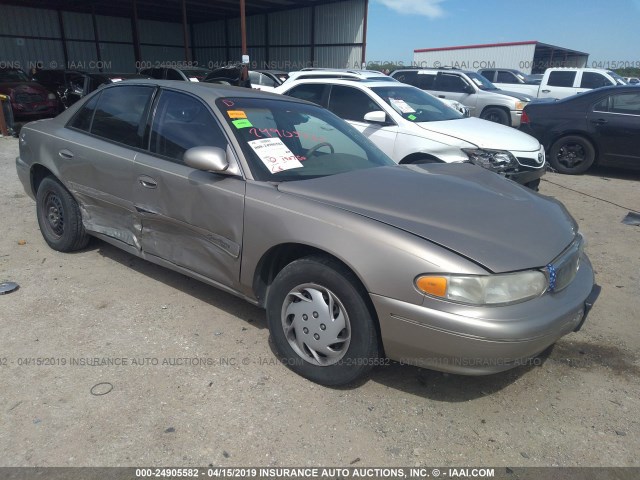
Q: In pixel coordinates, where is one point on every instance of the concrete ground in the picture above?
(229, 403)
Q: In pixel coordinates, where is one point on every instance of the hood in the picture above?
(484, 134)
(519, 95)
(467, 209)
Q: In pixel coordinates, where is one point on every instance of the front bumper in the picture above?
(526, 175)
(516, 118)
(482, 340)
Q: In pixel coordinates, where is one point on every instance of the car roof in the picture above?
(365, 82)
(209, 91)
(340, 71)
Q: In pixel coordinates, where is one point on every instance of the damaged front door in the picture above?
(191, 218)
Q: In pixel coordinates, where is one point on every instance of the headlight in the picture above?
(51, 96)
(497, 160)
(484, 289)
(521, 105)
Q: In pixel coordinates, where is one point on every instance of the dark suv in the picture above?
(29, 100)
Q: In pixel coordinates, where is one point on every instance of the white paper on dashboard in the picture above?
(275, 154)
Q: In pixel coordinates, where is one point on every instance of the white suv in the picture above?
(317, 73)
(411, 126)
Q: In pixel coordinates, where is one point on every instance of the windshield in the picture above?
(481, 82)
(13, 76)
(284, 141)
(416, 105)
(619, 80)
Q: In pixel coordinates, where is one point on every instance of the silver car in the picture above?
(356, 260)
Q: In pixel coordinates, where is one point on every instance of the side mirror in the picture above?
(376, 117)
(469, 89)
(208, 159)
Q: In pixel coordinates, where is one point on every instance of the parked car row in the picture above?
(482, 98)
(555, 82)
(413, 127)
(279, 201)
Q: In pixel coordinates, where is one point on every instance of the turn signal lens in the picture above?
(436, 286)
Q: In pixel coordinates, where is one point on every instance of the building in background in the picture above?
(529, 57)
(124, 35)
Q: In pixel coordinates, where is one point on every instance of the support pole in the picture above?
(243, 32)
(185, 31)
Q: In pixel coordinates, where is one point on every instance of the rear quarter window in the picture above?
(83, 117)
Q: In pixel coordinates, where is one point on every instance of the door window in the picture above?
(594, 80)
(120, 112)
(310, 92)
(626, 103)
(561, 79)
(489, 75)
(350, 103)
(180, 123)
(506, 77)
(450, 83)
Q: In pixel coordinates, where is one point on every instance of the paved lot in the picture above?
(228, 403)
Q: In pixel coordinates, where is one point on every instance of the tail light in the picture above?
(525, 118)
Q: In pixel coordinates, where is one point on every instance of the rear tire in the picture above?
(572, 155)
(496, 115)
(59, 217)
(320, 323)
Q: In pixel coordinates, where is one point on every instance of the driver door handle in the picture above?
(147, 182)
(64, 153)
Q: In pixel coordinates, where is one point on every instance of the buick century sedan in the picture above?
(278, 201)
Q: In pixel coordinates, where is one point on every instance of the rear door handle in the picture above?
(546, 91)
(147, 182)
(441, 96)
(64, 153)
(599, 121)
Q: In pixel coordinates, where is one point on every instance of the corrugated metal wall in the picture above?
(519, 57)
(78, 26)
(338, 27)
(32, 37)
(114, 29)
(340, 22)
(292, 27)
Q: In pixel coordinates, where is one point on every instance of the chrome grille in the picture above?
(564, 268)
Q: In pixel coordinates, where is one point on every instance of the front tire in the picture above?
(320, 322)
(59, 217)
(572, 155)
(496, 115)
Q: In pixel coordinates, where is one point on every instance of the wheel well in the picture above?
(499, 107)
(278, 257)
(418, 156)
(575, 134)
(38, 173)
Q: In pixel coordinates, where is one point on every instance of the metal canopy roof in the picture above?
(169, 10)
(539, 46)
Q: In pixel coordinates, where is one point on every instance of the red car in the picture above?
(29, 100)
